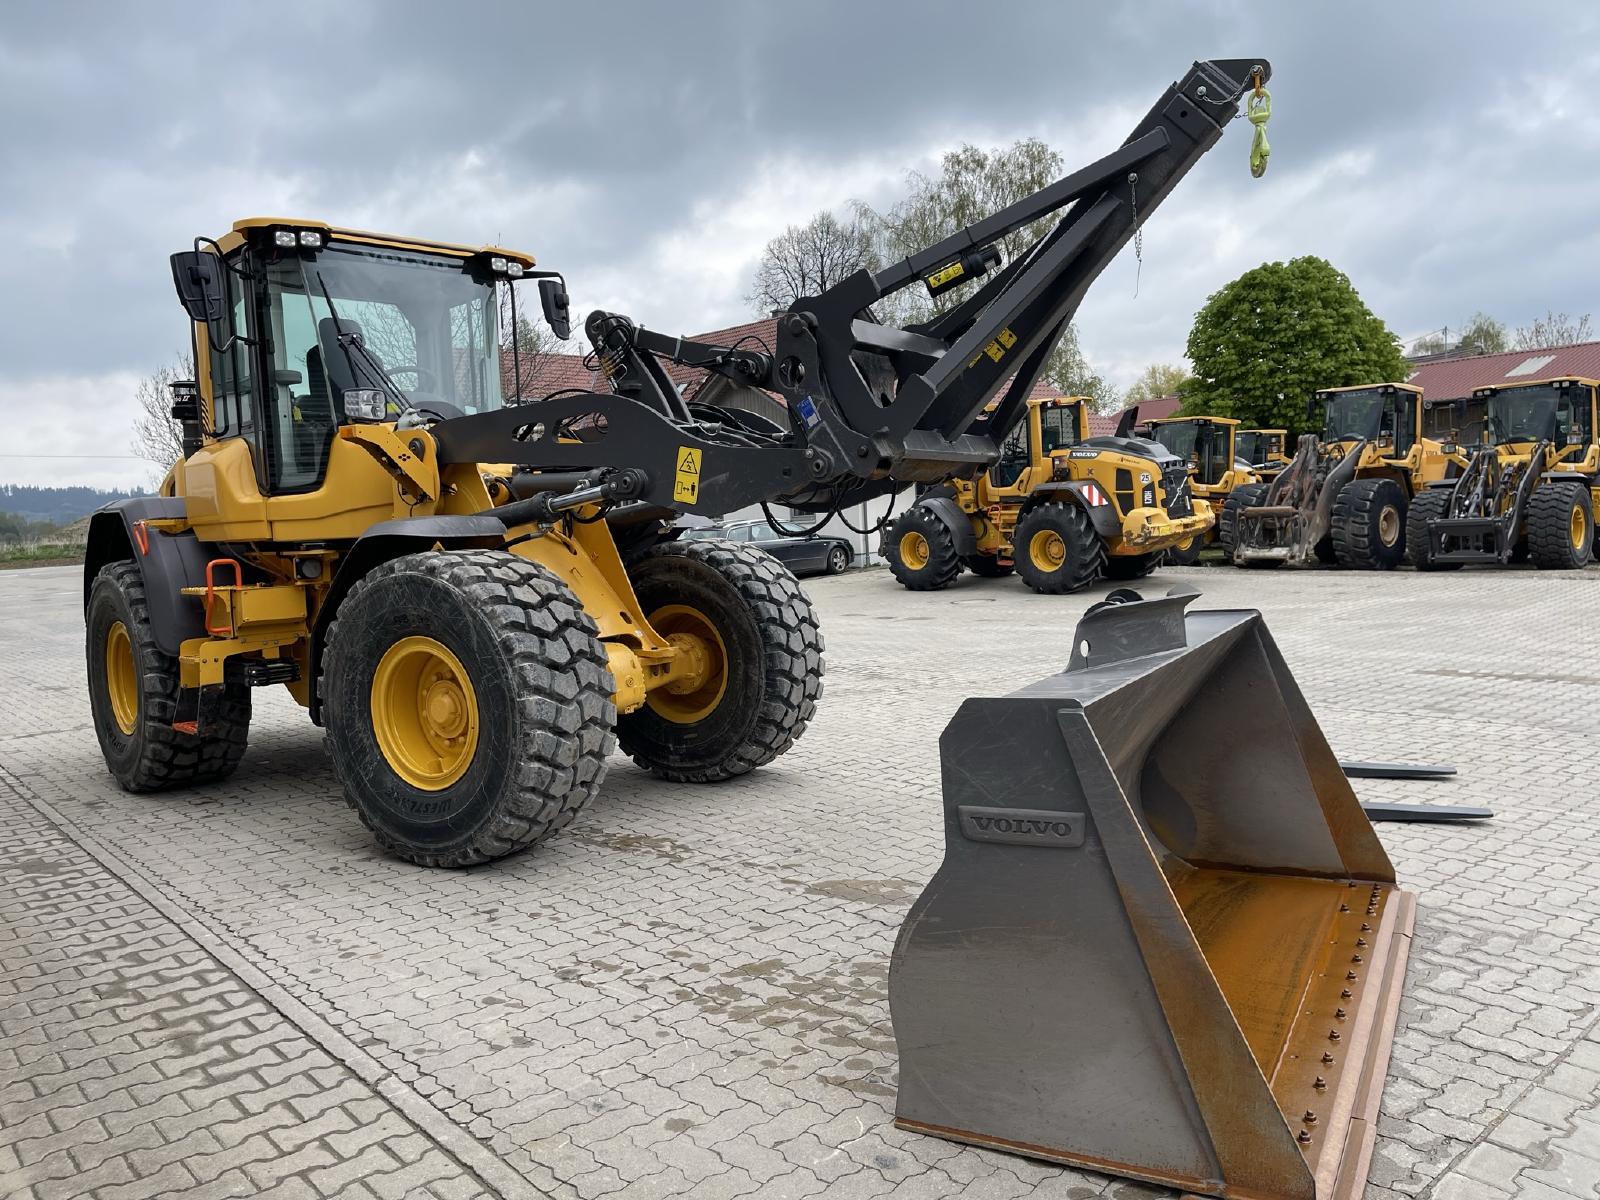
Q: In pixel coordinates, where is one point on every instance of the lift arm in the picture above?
(870, 407)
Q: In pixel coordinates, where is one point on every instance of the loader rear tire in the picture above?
(133, 696)
(988, 566)
(1369, 525)
(1430, 505)
(1131, 566)
(1247, 495)
(468, 705)
(1056, 548)
(1560, 526)
(922, 551)
(767, 668)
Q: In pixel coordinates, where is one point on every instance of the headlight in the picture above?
(284, 238)
(311, 239)
(365, 404)
(514, 269)
(497, 265)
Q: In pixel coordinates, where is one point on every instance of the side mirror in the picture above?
(557, 307)
(197, 275)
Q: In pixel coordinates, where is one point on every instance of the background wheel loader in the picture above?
(1530, 489)
(1217, 467)
(1060, 508)
(1263, 450)
(1344, 496)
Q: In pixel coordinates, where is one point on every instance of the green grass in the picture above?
(45, 554)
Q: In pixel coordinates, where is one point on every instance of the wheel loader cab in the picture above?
(320, 328)
(1387, 416)
(1207, 444)
(1055, 423)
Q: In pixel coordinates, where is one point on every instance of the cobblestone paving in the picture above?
(133, 1064)
(685, 992)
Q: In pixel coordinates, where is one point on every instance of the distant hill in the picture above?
(54, 505)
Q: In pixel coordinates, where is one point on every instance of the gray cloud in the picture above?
(1439, 153)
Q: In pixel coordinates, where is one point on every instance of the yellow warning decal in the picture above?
(686, 483)
(945, 275)
(1003, 341)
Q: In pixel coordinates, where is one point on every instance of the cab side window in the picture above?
(234, 414)
(1013, 457)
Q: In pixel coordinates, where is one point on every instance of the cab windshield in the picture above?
(375, 333)
(1524, 414)
(1251, 448)
(1200, 444)
(1352, 415)
(1179, 437)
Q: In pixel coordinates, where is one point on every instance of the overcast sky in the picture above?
(1443, 155)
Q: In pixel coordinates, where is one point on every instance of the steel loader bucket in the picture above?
(1165, 941)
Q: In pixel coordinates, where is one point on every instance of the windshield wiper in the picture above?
(346, 340)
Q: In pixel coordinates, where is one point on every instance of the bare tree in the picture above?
(805, 259)
(156, 436)
(1552, 330)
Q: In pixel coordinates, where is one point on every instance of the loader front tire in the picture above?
(1430, 505)
(1246, 495)
(921, 550)
(1184, 554)
(748, 613)
(1369, 525)
(133, 696)
(1056, 548)
(1560, 526)
(468, 704)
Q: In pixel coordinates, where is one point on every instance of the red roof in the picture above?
(1456, 378)
(1150, 410)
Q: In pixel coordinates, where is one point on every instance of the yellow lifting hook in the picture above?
(1258, 109)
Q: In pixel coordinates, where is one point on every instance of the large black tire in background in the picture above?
(1560, 526)
(133, 696)
(1131, 566)
(765, 634)
(988, 566)
(1369, 525)
(1430, 504)
(1247, 495)
(1056, 548)
(468, 704)
(921, 550)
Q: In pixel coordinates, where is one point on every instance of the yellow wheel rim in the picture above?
(424, 713)
(1185, 546)
(1389, 526)
(914, 551)
(122, 678)
(701, 679)
(1580, 528)
(1046, 550)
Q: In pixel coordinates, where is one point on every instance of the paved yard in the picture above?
(685, 993)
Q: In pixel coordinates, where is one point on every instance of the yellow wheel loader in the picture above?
(1530, 490)
(478, 600)
(1061, 508)
(1343, 498)
(1263, 450)
(1217, 466)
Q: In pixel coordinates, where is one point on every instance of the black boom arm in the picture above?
(870, 407)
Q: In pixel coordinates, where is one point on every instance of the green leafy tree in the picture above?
(1155, 381)
(1268, 341)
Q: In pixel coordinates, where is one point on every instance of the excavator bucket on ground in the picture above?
(1165, 942)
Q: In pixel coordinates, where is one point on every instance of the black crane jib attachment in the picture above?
(869, 407)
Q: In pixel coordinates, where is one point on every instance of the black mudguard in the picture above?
(957, 522)
(169, 563)
(1102, 516)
